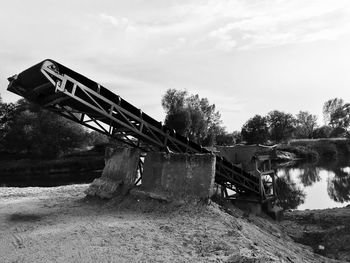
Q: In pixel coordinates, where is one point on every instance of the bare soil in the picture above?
(60, 224)
(327, 231)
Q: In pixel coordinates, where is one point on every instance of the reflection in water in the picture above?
(308, 175)
(338, 188)
(289, 195)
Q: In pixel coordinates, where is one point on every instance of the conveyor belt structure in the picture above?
(78, 98)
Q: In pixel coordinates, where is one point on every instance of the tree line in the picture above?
(199, 120)
(278, 126)
(27, 128)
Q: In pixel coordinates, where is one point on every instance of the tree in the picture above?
(306, 124)
(340, 118)
(198, 128)
(191, 116)
(255, 130)
(40, 132)
(337, 113)
(7, 115)
(226, 139)
(330, 107)
(281, 125)
(338, 132)
(179, 121)
(174, 100)
(322, 132)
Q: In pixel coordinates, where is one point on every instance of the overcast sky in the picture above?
(248, 57)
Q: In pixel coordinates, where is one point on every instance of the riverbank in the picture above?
(327, 149)
(327, 231)
(59, 224)
(79, 167)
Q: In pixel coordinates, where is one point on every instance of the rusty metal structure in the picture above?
(78, 98)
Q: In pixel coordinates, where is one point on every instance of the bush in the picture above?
(301, 152)
(337, 132)
(326, 150)
(322, 132)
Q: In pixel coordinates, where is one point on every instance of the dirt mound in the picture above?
(79, 229)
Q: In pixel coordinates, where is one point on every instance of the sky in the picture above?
(246, 56)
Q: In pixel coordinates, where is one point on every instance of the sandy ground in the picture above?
(60, 225)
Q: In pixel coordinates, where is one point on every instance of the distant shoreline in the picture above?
(318, 149)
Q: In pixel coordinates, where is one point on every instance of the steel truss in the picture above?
(84, 101)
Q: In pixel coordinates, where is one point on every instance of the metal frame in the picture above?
(263, 168)
(128, 124)
(95, 111)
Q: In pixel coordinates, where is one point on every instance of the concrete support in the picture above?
(244, 154)
(176, 176)
(118, 175)
(273, 210)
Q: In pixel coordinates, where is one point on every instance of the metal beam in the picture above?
(84, 101)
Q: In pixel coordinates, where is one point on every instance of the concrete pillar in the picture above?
(178, 176)
(118, 175)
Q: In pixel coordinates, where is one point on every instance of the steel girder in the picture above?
(66, 92)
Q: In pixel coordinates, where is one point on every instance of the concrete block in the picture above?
(179, 176)
(242, 154)
(273, 210)
(118, 175)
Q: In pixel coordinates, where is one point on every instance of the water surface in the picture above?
(325, 184)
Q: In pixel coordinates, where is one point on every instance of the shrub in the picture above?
(322, 132)
(326, 150)
(301, 152)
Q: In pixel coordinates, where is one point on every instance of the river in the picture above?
(324, 184)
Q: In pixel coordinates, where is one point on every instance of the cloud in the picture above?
(117, 22)
(283, 22)
(225, 41)
(233, 25)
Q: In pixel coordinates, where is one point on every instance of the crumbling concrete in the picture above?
(177, 176)
(273, 210)
(243, 155)
(118, 175)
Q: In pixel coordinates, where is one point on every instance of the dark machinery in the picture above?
(72, 95)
